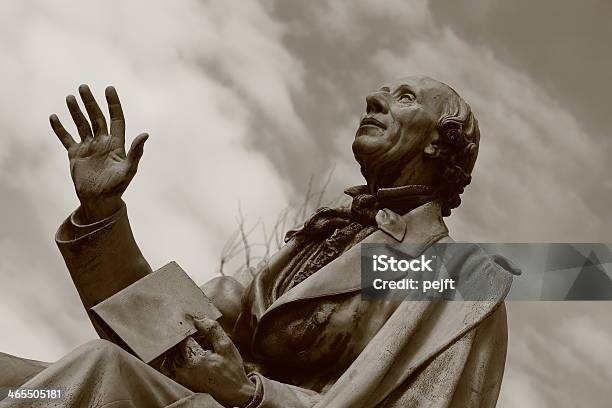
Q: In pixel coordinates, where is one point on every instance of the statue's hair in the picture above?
(456, 150)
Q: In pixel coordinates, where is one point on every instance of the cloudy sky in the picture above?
(245, 101)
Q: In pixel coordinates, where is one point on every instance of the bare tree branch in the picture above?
(256, 243)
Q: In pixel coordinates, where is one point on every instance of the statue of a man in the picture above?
(301, 326)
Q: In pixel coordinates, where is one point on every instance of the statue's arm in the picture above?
(96, 241)
(102, 259)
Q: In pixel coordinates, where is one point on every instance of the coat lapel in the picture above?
(423, 226)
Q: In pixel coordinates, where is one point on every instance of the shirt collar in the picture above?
(391, 192)
(389, 221)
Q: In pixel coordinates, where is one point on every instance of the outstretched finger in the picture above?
(212, 330)
(79, 119)
(61, 132)
(136, 150)
(117, 121)
(98, 122)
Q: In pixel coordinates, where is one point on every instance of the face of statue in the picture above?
(400, 122)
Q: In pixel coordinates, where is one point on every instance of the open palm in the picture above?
(100, 168)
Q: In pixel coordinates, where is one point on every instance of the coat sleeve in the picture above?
(102, 259)
(274, 394)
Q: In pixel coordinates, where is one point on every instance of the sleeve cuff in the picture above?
(274, 394)
(258, 396)
(71, 229)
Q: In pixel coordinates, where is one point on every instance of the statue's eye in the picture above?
(406, 98)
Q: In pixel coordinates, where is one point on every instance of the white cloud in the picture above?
(558, 355)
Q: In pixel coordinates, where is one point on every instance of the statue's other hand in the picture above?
(220, 371)
(100, 168)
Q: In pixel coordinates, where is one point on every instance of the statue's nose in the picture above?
(376, 103)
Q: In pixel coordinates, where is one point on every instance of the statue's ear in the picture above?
(432, 151)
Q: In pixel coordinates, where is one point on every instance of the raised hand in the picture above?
(99, 166)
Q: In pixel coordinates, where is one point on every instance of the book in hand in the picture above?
(154, 314)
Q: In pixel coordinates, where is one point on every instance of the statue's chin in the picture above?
(367, 143)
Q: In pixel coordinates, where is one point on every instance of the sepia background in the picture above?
(245, 101)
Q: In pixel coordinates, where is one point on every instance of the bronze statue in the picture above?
(299, 334)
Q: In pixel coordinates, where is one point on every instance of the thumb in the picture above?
(136, 149)
(192, 352)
